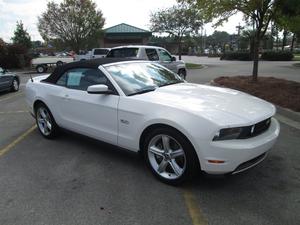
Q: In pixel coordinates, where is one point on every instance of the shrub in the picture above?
(238, 55)
(13, 56)
(213, 55)
(277, 55)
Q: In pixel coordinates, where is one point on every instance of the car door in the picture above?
(165, 59)
(152, 54)
(1, 79)
(5, 80)
(99, 53)
(94, 115)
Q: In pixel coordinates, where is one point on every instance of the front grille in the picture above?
(256, 129)
(246, 165)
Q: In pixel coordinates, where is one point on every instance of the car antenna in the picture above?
(31, 77)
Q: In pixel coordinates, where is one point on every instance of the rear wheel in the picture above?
(41, 68)
(182, 73)
(59, 63)
(170, 156)
(45, 121)
(15, 85)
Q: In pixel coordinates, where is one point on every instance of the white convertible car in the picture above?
(180, 127)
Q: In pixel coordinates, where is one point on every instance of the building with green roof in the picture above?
(124, 34)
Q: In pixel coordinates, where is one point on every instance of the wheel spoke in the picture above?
(177, 170)
(48, 124)
(41, 120)
(44, 121)
(162, 166)
(43, 114)
(177, 153)
(166, 142)
(156, 151)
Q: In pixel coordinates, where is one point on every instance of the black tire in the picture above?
(53, 132)
(192, 165)
(59, 63)
(15, 85)
(182, 73)
(41, 69)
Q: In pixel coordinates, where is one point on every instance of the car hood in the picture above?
(223, 106)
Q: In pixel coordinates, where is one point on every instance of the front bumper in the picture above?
(238, 155)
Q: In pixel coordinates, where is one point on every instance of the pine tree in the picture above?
(21, 36)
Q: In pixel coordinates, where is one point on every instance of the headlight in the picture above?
(228, 133)
(243, 132)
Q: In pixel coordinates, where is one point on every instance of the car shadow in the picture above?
(4, 93)
(102, 148)
(259, 175)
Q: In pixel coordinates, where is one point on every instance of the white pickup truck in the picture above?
(41, 64)
(93, 54)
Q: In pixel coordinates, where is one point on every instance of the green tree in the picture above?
(288, 19)
(218, 39)
(178, 21)
(21, 36)
(258, 12)
(73, 22)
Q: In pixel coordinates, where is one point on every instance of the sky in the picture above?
(133, 12)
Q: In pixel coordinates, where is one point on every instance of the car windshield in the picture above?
(141, 77)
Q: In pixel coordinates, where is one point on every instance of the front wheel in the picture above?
(15, 85)
(45, 122)
(170, 156)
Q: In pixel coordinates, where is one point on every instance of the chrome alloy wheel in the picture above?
(15, 85)
(166, 156)
(44, 121)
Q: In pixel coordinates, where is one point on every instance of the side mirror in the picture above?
(99, 89)
(173, 59)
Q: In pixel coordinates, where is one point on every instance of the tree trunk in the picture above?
(285, 33)
(293, 42)
(255, 57)
(179, 48)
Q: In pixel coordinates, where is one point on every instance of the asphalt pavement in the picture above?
(77, 180)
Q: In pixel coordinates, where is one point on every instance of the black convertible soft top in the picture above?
(93, 63)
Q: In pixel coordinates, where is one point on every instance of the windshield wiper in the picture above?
(142, 91)
(176, 82)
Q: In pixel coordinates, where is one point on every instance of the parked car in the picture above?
(179, 127)
(152, 53)
(41, 64)
(8, 81)
(93, 54)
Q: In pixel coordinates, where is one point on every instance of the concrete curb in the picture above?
(288, 113)
(280, 110)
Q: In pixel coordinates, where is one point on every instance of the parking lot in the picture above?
(77, 180)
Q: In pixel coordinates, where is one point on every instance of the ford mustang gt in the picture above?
(179, 127)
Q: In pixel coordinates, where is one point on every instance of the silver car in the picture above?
(152, 53)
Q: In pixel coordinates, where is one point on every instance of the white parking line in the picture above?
(11, 96)
(287, 121)
(13, 112)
